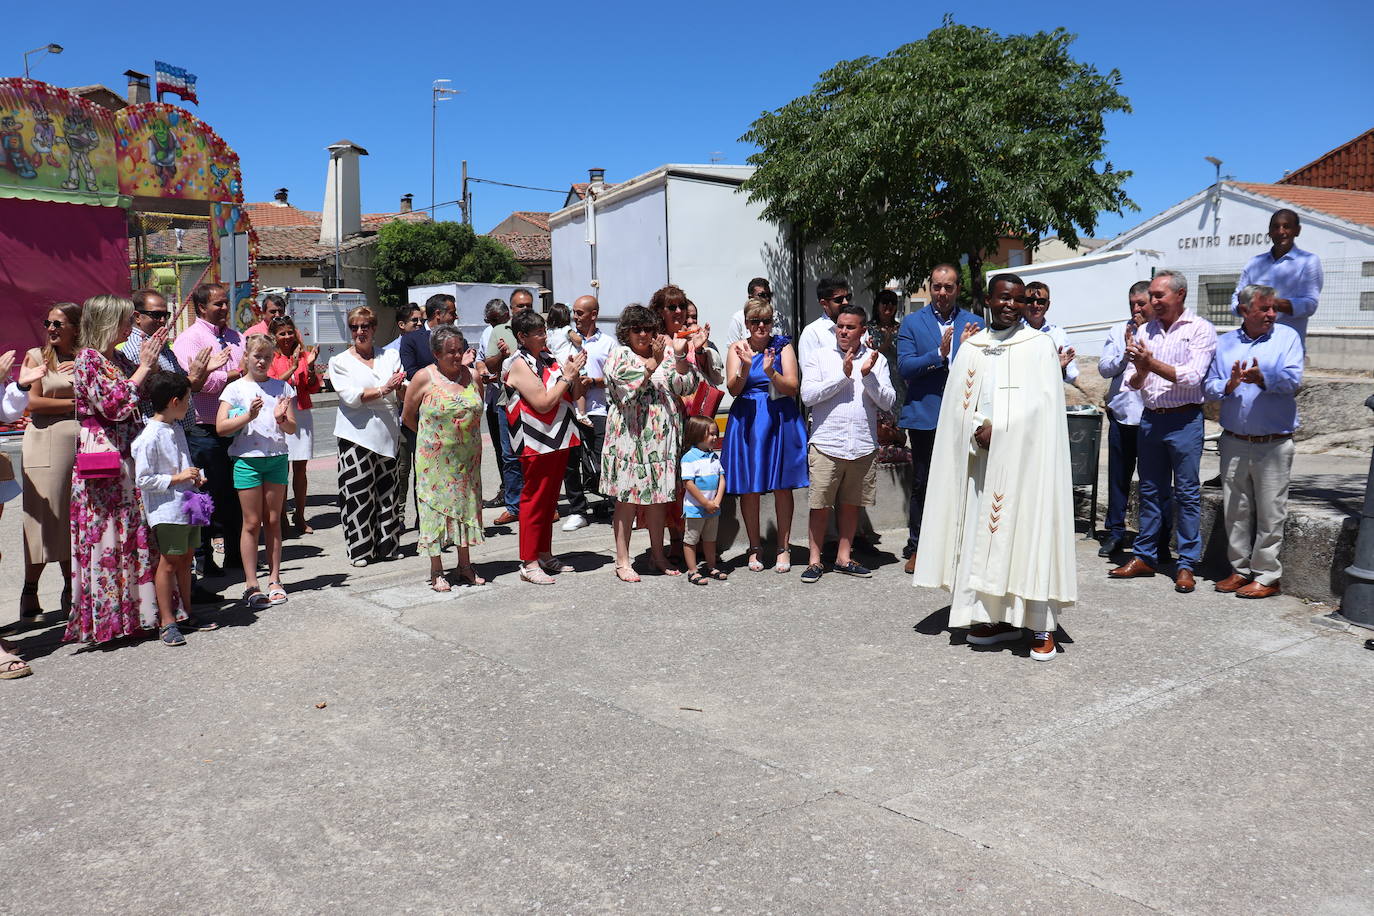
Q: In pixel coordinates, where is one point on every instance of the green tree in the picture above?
(937, 150)
(410, 254)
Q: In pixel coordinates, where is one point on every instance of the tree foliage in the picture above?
(412, 254)
(937, 150)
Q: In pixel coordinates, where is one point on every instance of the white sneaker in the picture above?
(575, 522)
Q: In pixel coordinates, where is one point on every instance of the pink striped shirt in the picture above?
(1187, 345)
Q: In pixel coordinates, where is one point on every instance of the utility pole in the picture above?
(438, 93)
(464, 198)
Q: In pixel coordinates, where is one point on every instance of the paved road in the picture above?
(753, 747)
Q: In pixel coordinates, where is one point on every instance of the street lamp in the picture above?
(48, 48)
(438, 94)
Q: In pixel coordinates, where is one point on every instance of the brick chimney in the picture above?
(279, 199)
(342, 214)
(139, 90)
(407, 202)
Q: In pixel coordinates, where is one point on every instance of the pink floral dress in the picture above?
(112, 554)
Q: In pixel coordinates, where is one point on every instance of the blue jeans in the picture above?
(1122, 451)
(512, 479)
(1170, 447)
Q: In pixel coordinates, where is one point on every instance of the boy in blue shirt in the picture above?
(704, 481)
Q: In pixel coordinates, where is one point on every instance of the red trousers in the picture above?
(538, 502)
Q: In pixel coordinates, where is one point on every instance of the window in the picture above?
(1367, 302)
(1367, 269)
(1214, 293)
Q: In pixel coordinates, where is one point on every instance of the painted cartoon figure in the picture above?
(81, 138)
(12, 148)
(163, 150)
(44, 139)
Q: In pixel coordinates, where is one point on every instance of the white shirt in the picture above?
(160, 452)
(559, 344)
(598, 348)
(372, 424)
(14, 403)
(844, 409)
(1122, 400)
(818, 334)
(1061, 342)
(738, 330)
(262, 438)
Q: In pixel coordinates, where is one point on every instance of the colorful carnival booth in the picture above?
(99, 201)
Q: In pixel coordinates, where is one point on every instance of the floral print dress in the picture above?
(448, 466)
(113, 558)
(643, 428)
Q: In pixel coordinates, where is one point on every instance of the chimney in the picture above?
(407, 202)
(342, 214)
(596, 181)
(138, 87)
(279, 199)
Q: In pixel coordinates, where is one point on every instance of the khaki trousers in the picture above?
(1254, 487)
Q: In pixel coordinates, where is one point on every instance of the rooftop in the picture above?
(528, 248)
(1351, 206)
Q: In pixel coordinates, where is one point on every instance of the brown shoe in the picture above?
(1184, 582)
(911, 565)
(1232, 583)
(1135, 569)
(505, 518)
(1255, 590)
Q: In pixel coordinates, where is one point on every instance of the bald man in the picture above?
(598, 346)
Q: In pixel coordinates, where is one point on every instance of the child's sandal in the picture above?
(697, 578)
(717, 574)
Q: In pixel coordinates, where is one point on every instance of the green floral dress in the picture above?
(448, 467)
(643, 428)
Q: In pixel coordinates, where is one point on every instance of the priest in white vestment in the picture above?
(998, 522)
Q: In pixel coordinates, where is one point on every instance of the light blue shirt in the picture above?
(1251, 410)
(1122, 400)
(1297, 277)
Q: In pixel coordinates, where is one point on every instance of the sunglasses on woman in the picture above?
(761, 322)
(55, 325)
(355, 328)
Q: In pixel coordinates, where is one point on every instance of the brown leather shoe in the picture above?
(911, 565)
(1255, 590)
(505, 518)
(1232, 583)
(1135, 569)
(1184, 582)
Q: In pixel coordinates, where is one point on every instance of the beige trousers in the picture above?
(1254, 488)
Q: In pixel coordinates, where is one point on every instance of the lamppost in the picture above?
(48, 48)
(438, 94)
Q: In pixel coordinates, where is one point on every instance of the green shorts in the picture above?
(254, 472)
(176, 540)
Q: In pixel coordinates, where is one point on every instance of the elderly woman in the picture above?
(366, 380)
(444, 407)
(112, 548)
(49, 450)
(765, 439)
(294, 363)
(646, 377)
(539, 396)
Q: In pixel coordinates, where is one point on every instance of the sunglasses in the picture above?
(160, 316)
(841, 299)
(681, 307)
(761, 322)
(57, 325)
(1036, 300)
(355, 328)
(763, 294)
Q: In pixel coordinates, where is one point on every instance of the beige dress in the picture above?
(49, 453)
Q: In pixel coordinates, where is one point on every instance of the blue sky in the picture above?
(550, 89)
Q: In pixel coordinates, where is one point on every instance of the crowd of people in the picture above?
(140, 454)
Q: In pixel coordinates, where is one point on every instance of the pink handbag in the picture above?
(101, 465)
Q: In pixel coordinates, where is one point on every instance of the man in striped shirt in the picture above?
(1169, 359)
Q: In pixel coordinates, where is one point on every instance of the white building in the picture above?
(1209, 237)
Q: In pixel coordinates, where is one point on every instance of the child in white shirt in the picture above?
(257, 411)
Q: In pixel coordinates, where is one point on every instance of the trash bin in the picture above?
(1085, 443)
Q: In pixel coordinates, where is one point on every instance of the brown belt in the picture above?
(1179, 409)
(1276, 437)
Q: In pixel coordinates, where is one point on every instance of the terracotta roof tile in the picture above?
(1352, 206)
(537, 219)
(270, 214)
(1349, 167)
(528, 248)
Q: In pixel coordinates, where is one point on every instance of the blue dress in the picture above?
(765, 439)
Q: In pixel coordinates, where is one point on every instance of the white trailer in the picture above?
(683, 224)
(472, 299)
(321, 315)
(1088, 294)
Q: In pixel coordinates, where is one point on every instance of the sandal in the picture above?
(667, 569)
(717, 574)
(275, 593)
(255, 599)
(754, 564)
(536, 576)
(439, 584)
(195, 623)
(553, 566)
(468, 576)
(11, 665)
(626, 574)
(170, 635)
(29, 608)
(697, 578)
(301, 526)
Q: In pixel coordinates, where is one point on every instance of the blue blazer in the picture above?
(921, 367)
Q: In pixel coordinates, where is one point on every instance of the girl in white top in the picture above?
(257, 411)
(366, 379)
